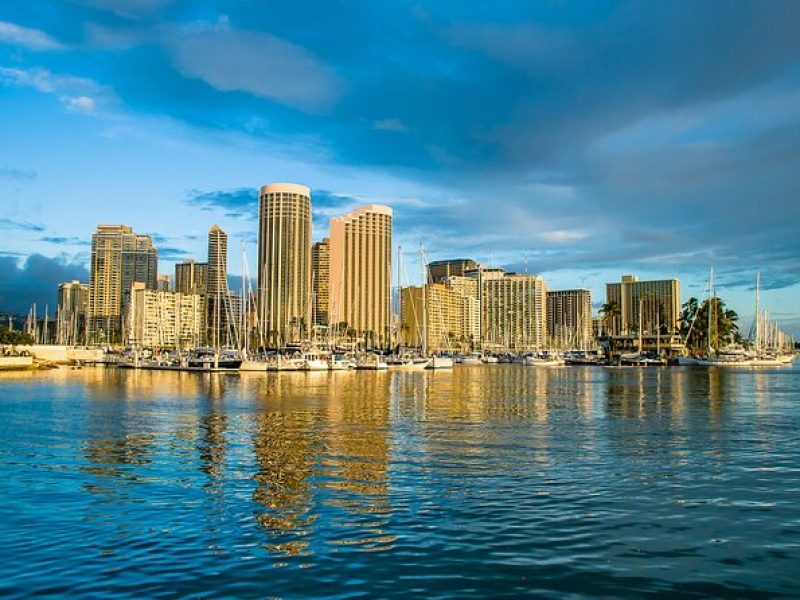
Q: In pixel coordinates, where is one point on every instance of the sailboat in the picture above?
(730, 356)
(762, 357)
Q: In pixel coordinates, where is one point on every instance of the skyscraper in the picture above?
(321, 280)
(284, 262)
(120, 257)
(217, 306)
(361, 272)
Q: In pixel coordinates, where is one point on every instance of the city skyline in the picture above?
(599, 161)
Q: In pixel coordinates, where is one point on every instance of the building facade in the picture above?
(569, 319)
(191, 277)
(440, 270)
(321, 281)
(439, 322)
(73, 310)
(361, 273)
(284, 263)
(470, 291)
(120, 258)
(168, 320)
(514, 312)
(654, 304)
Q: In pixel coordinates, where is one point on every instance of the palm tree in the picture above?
(609, 311)
(694, 325)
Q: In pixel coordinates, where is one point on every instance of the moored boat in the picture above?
(440, 362)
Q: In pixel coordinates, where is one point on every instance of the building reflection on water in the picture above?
(285, 450)
(356, 459)
(339, 444)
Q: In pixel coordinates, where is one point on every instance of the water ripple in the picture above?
(485, 481)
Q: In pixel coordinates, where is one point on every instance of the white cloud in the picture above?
(561, 236)
(81, 104)
(257, 63)
(77, 94)
(33, 39)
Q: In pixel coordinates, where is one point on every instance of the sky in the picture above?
(582, 141)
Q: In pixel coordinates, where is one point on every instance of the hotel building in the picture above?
(361, 273)
(284, 262)
(659, 302)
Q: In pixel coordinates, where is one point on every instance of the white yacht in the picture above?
(543, 360)
(440, 362)
(371, 362)
(313, 361)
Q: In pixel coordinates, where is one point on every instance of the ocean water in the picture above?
(500, 481)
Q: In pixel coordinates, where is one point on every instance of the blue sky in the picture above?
(585, 140)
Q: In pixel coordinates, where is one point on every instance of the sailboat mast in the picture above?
(708, 306)
(758, 313)
(399, 294)
(424, 301)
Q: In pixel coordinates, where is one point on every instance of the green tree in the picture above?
(15, 338)
(699, 333)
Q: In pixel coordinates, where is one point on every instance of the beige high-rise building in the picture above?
(470, 291)
(659, 301)
(284, 263)
(217, 307)
(569, 318)
(361, 272)
(321, 280)
(440, 322)
(120, 257)
(191, 277)
(514, 312)
(73, 308)
(160, 319)
(483, 273)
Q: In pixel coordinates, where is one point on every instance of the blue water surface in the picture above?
(496, 480)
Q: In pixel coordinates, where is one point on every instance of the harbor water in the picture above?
(495, 480)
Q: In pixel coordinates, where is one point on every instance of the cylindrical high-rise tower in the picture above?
(284, 263)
